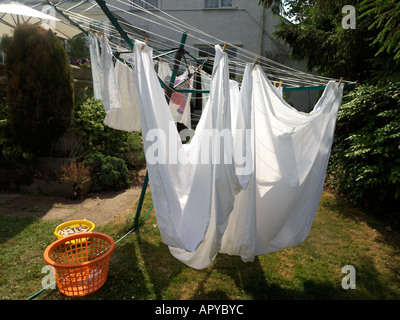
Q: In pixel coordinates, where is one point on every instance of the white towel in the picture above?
(109, 86)
(96, 65)
(127, 117)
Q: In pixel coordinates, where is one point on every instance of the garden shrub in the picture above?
(78, 47)
(134, 155)
(15, 160)
(39, 87)
(11, 150)
(94, 135)
(75, 172)
(365, 158)
(111, 172)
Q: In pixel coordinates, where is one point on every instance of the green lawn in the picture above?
(142, 268)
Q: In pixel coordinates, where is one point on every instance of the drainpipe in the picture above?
(262, 31)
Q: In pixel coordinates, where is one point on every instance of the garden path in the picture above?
(99, 208)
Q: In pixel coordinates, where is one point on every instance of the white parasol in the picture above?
(14, 13)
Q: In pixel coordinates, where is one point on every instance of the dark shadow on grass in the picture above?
(160, 265)
(251, 278)
(384, 234)
(10, 226)
(390, 231)
(126, 279)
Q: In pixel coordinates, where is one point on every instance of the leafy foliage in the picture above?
(94, 135)
(78, 47)
(10, 149)
(276, 6)
(317, 36)
(112, 173)
(15, 160)
(328, 48)
(39, 87)
(134, 157)
(365, 158)
(387, 21)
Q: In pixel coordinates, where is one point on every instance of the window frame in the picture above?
(143, 5)
(219, 6)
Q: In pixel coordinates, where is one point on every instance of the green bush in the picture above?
(365, 158)
(111, 172)
(78, 47)
(11, 150)
(134, 155)
(39, 87)
(15, 160)
(94, 135)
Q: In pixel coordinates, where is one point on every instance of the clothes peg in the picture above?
(280, 84)
(340, 81)
(255, 61)
(145, 41)
(223, 49)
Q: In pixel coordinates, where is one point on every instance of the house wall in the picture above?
(240, 25)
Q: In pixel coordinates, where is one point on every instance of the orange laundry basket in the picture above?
(81, 266)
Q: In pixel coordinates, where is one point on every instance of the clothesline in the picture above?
(245, 54)
(242, 52)
(236, 64)
(276, 71)
(95, 24)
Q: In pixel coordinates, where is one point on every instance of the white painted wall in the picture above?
(242, 24)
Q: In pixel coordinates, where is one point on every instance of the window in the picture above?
(212, 3)
(148, 4)
(218, 4)
(226, 3)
